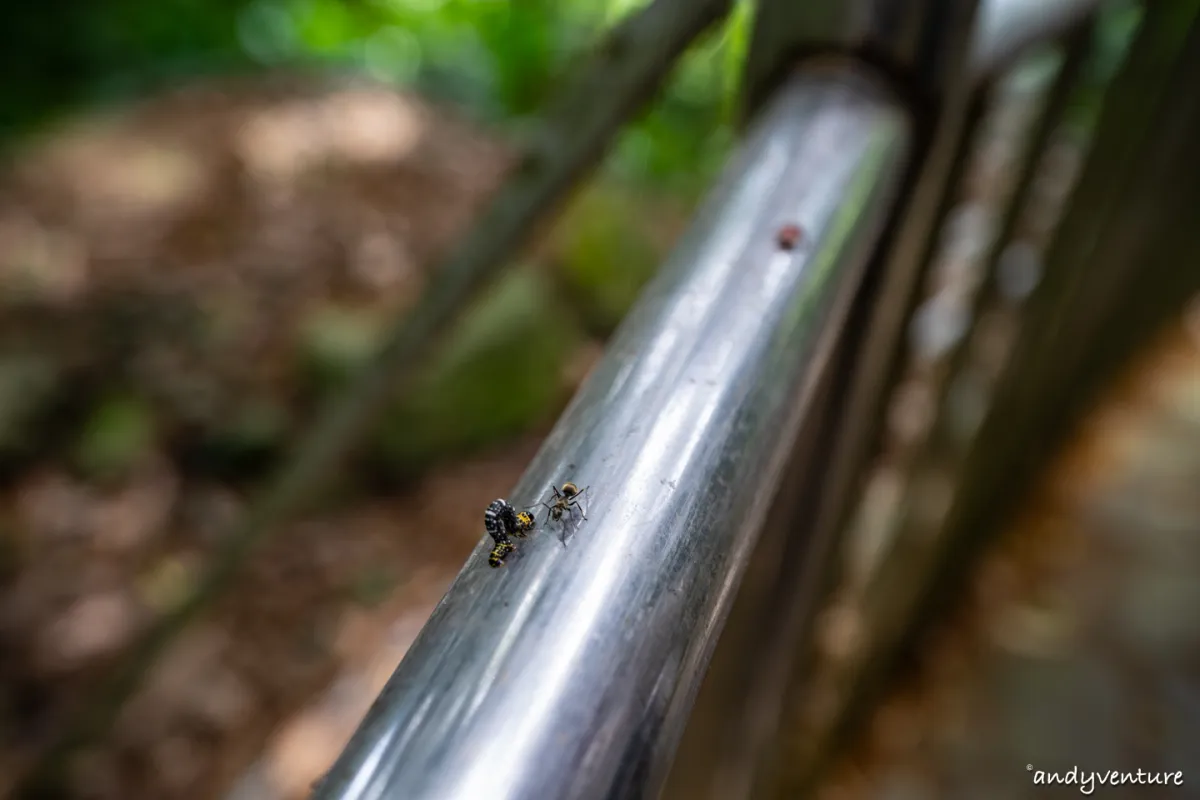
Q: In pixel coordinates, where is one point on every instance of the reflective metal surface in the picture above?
(924, 39)
(570, 672)
(1103, 546)
(924, 42)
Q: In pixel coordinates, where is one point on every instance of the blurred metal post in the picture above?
(570, 673)
(734, 743)
(1004, 28)
(921, 40)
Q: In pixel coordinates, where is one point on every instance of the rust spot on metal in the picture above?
(789, 236)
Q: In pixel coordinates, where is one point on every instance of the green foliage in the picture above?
(119, 432)
(606, 255)
(500, 60)
(681, 143)
(1118, 23)
(57, 55)
(336, 343)
(498, 374)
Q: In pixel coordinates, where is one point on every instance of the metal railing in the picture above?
(748, 378)
(680, 433)
(906, 345)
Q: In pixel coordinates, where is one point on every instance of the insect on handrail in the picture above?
(570, 672)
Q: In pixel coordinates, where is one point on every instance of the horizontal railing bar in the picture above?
(570, 672)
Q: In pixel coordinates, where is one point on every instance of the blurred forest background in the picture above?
(208, 212)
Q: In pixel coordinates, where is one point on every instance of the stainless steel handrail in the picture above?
(570, 672)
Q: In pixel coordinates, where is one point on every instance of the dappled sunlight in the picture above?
(361, 127)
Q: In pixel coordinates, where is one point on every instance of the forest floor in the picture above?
(1075, 644)
(184, 282)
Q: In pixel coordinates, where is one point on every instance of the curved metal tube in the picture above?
(570, 672)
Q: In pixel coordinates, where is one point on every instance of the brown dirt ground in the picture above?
(178, 248)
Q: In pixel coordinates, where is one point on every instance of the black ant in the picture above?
(564, 500)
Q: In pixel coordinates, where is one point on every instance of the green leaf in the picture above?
(119, 432)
